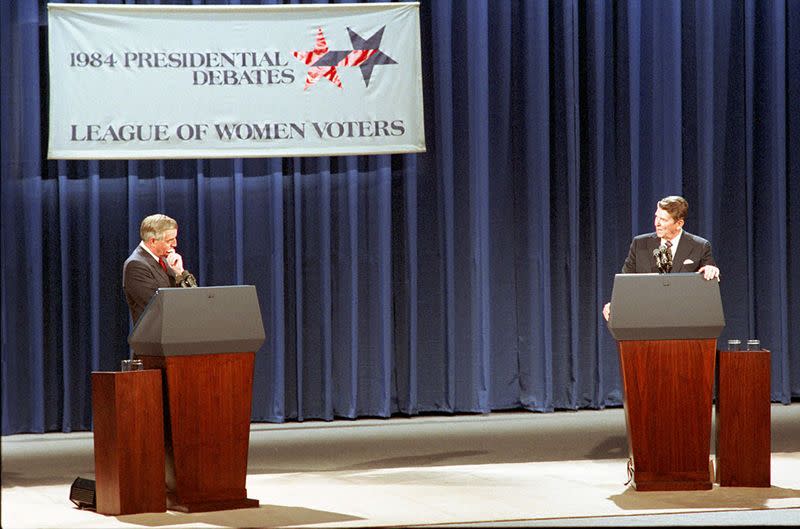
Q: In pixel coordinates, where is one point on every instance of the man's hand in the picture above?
(607, 311)
(175, 261)
(709, 272)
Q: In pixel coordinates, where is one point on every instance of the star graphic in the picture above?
(323, 62)
(375, 58)
(318, 69)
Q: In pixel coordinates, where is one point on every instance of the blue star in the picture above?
(376, 59)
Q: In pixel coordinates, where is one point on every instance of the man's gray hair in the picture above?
(154, 226)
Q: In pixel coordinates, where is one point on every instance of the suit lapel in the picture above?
(684, 249)
(155, 267)
(652, 243)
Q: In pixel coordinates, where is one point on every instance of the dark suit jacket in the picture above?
(141, 277)
(693, 253)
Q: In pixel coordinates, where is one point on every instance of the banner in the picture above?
(156, 81)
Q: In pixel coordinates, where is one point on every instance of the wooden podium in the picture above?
(203, 340)
(743, 441)
(668, 387)
(666, 327)
(128, 442)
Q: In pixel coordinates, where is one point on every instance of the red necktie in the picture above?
(163, 264)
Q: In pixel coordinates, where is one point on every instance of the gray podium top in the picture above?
(202, 320)
(681, 306)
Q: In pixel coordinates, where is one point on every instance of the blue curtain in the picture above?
(466, 279)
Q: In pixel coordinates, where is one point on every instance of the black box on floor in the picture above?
(82, 493)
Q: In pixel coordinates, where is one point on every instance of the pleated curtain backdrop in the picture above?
(466, 279)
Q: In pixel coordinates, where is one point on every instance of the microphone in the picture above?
(663, 259)
(190, 281)
(657, 254)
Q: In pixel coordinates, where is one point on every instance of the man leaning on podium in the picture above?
(669, 249)
(154, 264)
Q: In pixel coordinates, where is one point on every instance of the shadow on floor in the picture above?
(716, 498)
(263, 516)
(441, 458)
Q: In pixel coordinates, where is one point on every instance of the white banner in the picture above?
(155, 81)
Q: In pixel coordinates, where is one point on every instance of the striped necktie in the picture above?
(668, 246)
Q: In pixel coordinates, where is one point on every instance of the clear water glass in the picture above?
(753, 345)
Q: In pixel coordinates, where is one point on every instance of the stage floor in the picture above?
(503, 469)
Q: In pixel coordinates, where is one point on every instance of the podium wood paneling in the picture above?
(128, 442)
(743, 440)
(208, 408)
(668, 389)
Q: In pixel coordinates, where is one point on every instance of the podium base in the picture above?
(650, 486)
(216, 505)
(669, 481)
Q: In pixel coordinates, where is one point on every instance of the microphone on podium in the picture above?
(663, 259)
